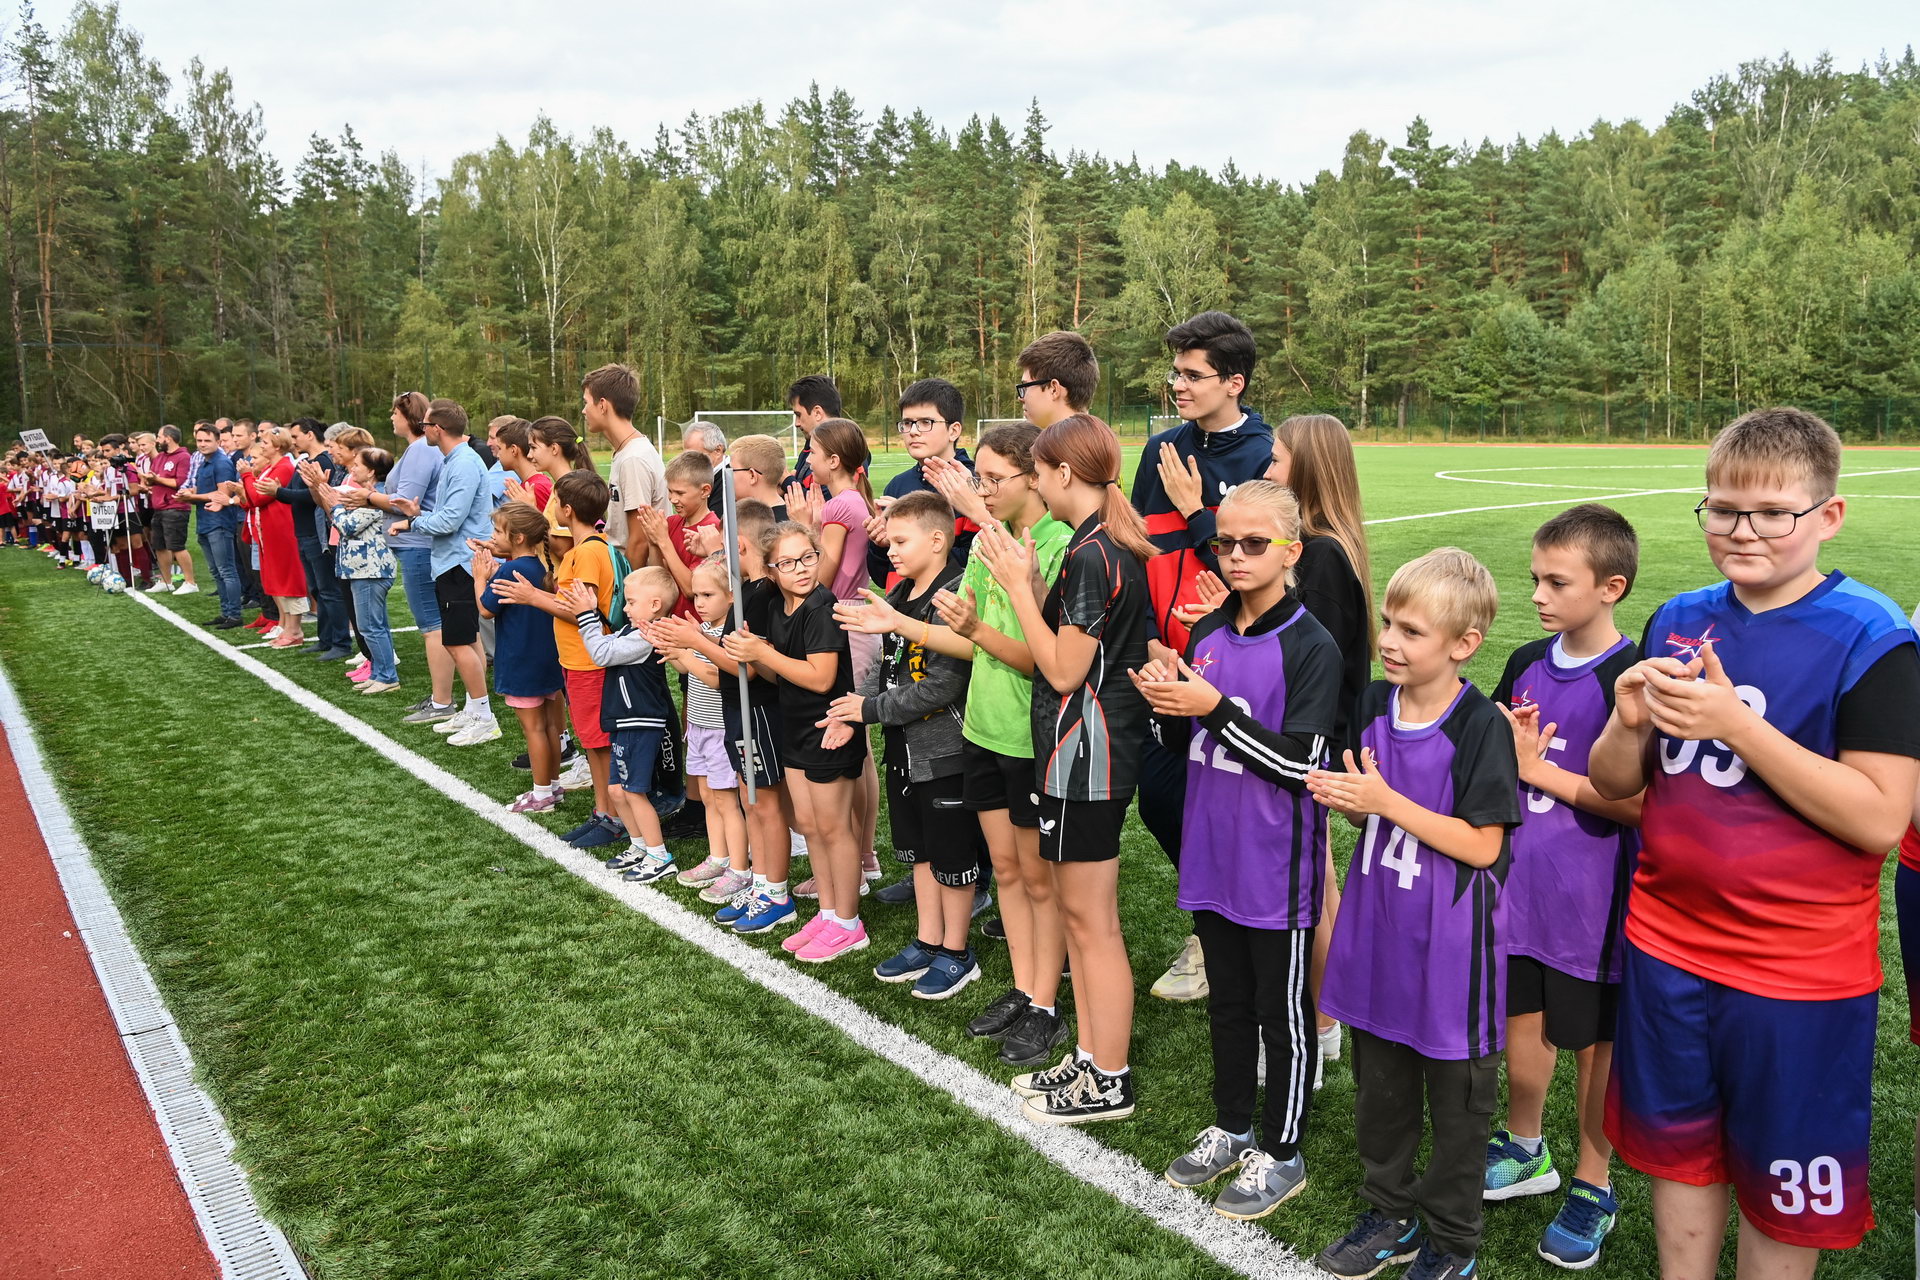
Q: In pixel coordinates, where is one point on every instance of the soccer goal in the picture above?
(983, 425)
(777, 423)
(1162, 422)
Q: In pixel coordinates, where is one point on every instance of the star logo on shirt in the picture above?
(1524, 699)
(1687, 648)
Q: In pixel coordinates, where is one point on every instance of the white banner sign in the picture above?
(36, 441)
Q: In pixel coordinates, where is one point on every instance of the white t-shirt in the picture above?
(638, 479)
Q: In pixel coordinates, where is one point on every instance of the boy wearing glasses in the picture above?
(931, 413)
(1773, 724)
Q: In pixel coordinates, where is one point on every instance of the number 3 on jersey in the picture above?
(1401, 855)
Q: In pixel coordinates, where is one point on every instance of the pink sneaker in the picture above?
(362, 673)
(722, 887)
(804, 934)
(533, 802)
(832, 942)
(702, 872)
(869, 868)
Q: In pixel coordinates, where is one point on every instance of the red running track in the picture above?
(87, 1189)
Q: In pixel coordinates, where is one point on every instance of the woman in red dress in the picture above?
(270, 524)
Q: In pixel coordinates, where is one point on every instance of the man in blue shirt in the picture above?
(463, 509)
(217, 529)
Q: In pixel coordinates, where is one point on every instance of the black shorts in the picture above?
(768, 768)
(932, 824)
(802, 753)
(994, 781)
(1081, 830)
(1577, 1013)
(170, 530)
(459, 611)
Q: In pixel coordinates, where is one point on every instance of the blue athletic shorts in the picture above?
(1712, 1085)
(634, 753)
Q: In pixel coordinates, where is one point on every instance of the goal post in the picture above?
(734, 423)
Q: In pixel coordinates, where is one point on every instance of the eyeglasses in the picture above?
(919, 426)
(1772, 523)
(1177, 376)
(806, 561)
(1020, 389)
(989, 484)
(1251, 546)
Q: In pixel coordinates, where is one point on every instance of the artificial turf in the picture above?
(442, 1056)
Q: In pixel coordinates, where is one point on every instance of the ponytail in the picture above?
(559, 434)
(842, 438)
(1089, 449)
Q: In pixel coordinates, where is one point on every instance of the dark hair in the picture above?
(413, 407)
(816, 391)
(584, 493)
(312, 426)
(939, 393)
(378, 461)
(559, 434)
(171, 432)
(615, 384)
(198, 427)
(515, 432)
(1599, 533)
(448, 416)
(113, 441)
(1088, 448)
(1228, 344)
(843, 439)
(1012, 441)
(1066, 358)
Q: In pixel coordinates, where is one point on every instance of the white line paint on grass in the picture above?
(268, 644)
(1246, 1249)
(1605, 497)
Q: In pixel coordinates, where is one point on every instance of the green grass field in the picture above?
(442, 1056)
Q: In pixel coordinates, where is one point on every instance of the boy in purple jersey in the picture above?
(1418, 963)
(1262, 681)
(1566, 896)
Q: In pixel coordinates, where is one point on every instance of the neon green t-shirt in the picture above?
(999, 713)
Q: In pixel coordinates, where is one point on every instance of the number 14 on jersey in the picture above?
(1401, 855)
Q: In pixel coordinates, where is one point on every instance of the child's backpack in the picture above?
(617, 608)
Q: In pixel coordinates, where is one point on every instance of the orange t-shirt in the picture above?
(590, 562)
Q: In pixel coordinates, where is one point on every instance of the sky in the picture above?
(1276, 88)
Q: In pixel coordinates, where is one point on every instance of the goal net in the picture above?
(1162, 422)
(735, 423)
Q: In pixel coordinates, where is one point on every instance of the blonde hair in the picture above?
(714, 567)
(763, 454)
(521, 520)
(1456, 590)
(1782, 445)
(1276, 498)
(1323, 478)
(653, 578)
(691, 467)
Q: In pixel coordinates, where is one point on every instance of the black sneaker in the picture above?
(994, 928)
(1094, 1095)
(1038, 1084)
(998, 1018)
(1032, 1038)
(1375, 1243)
(1435, 1265)
(523, 762)
(899, 893)
(688, 821)
(569, 749)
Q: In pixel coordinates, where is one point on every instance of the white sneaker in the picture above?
(1330, 1043)
(479, 729)
(578, 775)
(796, 844)
(186, 589)
(273, 633)
(159, 585)
(455, 723)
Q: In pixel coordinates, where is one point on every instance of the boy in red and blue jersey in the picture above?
(1774, 724)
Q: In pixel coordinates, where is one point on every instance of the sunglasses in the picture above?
(1251, 546)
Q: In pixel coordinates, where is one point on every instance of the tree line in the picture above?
(1757, 245)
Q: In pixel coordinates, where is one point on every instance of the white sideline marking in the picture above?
(268, 644)
(1607, 497)
(1245, 1249)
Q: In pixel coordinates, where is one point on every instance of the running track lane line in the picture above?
(146, 1228)
(1249, 1250)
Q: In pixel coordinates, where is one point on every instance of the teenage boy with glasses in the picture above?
(931, 415)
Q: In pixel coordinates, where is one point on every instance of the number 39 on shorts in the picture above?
(1817, 1187)
(1401, 855)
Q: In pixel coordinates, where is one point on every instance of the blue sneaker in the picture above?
(602, 831)
(1375, 1243)
(1572, 1240)
(738, 905)
(1511, 1172)
(581, 830)
(650, 868)
(904, 965)
(945, 976)
(1435, 1265)
(764, 914)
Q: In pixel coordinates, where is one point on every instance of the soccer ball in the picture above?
(113, 584)
(95, 574)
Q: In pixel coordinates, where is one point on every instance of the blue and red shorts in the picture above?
(1712, 1085)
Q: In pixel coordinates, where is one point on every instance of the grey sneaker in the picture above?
(1214, 1152)
(1263, 1185)
(431, 714)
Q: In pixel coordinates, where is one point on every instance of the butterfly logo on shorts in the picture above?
(1687, 648)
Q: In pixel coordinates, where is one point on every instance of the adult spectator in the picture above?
(313, 463)
(700, 436)
(415, 478)
(216, 525)
(270, 522)
(166, 473)
(464, 510)
(637, 476)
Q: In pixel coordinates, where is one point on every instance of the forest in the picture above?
(1758, 245)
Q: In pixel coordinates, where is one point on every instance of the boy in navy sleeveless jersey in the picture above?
(1254, 714)
(1417, 968)
(1782, 707)
(1572, 855)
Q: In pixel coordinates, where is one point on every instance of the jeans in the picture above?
(316, 559)
(217, 546)
(370, 606)
(416, 575)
